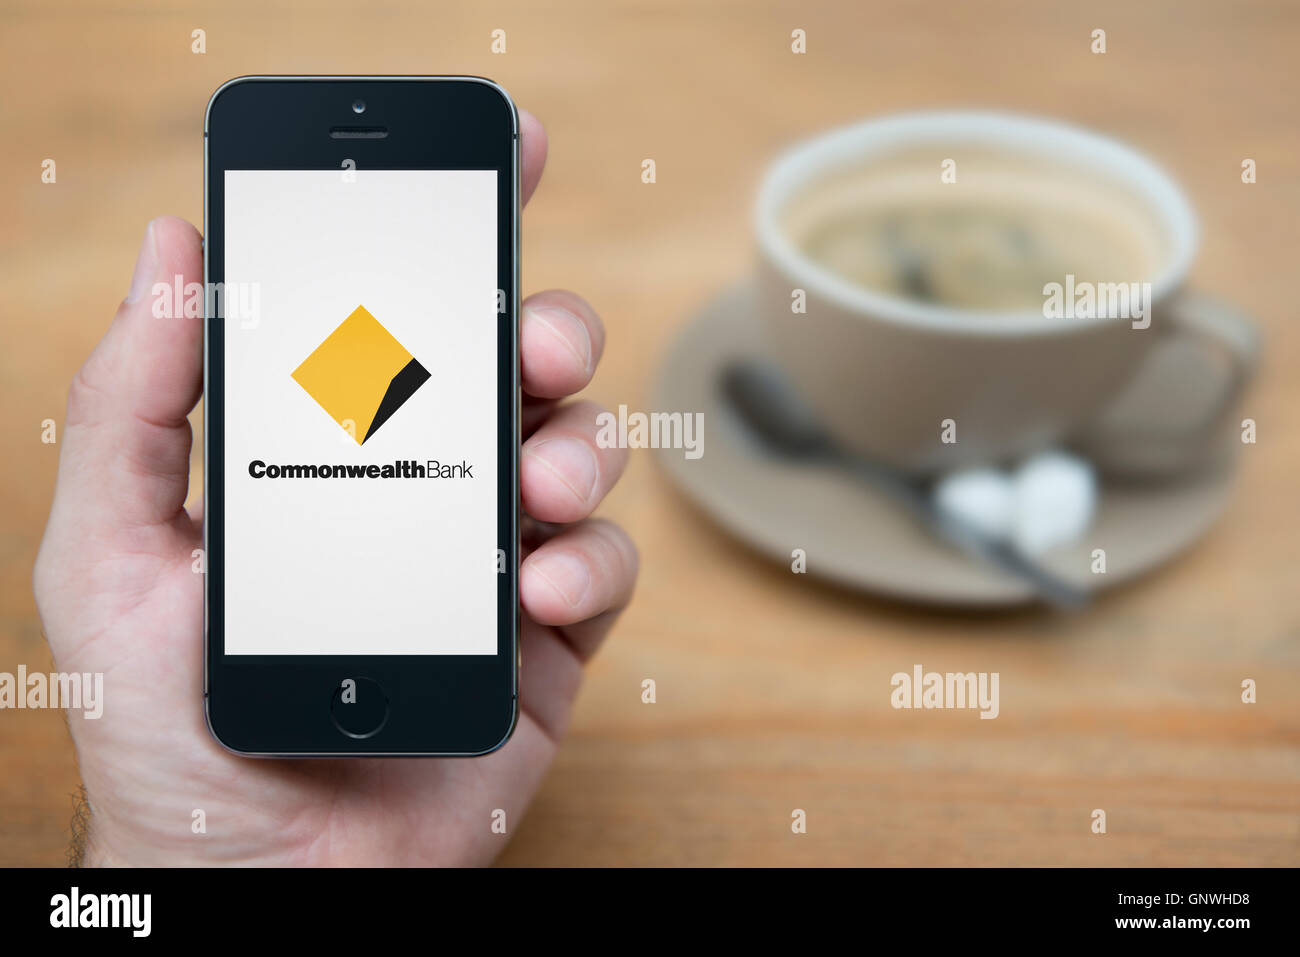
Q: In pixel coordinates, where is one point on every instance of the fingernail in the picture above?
(566, 573)
(572, 461)
(146, 267)
(570, 330)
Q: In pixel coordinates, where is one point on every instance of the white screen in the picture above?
(360, 565)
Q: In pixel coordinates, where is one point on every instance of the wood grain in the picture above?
(772, 689)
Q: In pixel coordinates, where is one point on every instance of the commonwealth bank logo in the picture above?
(360, 375)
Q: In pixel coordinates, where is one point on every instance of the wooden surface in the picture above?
(772, 689)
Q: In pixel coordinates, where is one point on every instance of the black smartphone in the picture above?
(361, 415)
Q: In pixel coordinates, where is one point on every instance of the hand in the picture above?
(117, 595)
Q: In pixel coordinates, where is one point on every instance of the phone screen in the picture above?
(360, 440)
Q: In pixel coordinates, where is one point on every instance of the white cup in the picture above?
(886, 373)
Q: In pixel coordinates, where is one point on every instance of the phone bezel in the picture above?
(439, 705)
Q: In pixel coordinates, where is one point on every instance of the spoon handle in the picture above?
(1051, 588)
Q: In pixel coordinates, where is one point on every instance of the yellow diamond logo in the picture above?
(360, 375)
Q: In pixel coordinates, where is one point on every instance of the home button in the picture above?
(359, 707)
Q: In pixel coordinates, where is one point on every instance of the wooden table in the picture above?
(772, 689)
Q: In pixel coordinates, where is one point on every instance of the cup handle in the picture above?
(1220, 325)
(1212, 324)
(1135, 450)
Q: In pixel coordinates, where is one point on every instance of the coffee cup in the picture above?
(949, 289)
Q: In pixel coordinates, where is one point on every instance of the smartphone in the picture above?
(361, 416)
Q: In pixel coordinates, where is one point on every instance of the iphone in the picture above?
(361, 416)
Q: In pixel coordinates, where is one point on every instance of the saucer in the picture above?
(854, 534)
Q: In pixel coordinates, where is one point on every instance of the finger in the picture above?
(563, 472)
(532, 146)
(126, 451)
(549, 677)
(560, 341)
(584, 572)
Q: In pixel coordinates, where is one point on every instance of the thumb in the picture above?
(124, 461)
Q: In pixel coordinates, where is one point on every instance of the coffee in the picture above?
(989, 241)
